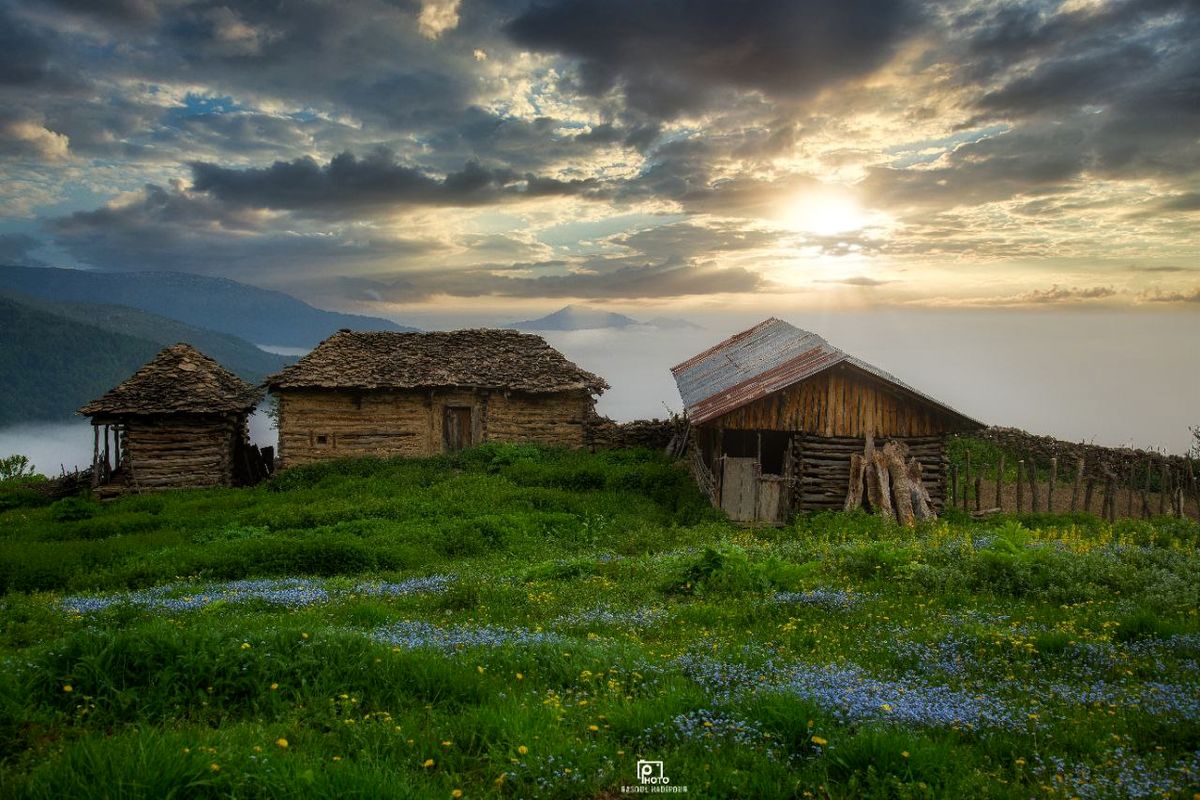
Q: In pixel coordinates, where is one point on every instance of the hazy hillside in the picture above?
(237, 354)
(54, 357)
(51, 365)
(260, 316)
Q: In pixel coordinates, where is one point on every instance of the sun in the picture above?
(824, 213)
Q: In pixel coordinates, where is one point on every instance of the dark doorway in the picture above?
(457, 428)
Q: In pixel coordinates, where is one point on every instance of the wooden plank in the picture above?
(738, 489)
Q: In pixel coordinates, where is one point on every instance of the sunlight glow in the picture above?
(824, 213)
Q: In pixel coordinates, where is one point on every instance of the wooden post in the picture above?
(1112, 497)
(854, 494)
(978, 492)
(1162, 492)
(1020, 484)
(1087, 497)
(1145, 494)
(1129, 496)
(1194, 485)
(966, 481)
(95, 455)
(922, 502)
(1053, 478)
(1078, 484)
(953, 486)
(1033, 493)
(901, 490)
(999, 480)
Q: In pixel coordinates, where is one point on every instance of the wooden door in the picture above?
(738, 486)
(456, 430)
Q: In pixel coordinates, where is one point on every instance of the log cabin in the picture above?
(778, 416)
(180, 421)
(420, 394)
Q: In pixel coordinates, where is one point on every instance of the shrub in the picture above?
(71, 509)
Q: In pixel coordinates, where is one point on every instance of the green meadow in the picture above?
(519, 622)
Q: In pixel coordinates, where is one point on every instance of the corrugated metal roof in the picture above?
(764, 359)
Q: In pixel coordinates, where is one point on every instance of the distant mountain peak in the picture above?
(578, 317)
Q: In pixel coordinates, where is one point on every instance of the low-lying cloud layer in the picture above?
(382, 153)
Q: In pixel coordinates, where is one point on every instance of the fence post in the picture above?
(1020, 483)
(966, 481)
(954, 486)
(1033, 493)
(999, 480)
(1078, 484)
(1053, 478)
(1162, 491)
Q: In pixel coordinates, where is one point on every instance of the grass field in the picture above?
(513, 622)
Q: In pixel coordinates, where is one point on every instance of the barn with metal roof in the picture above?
(778, 412)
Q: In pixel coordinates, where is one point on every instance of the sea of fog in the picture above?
(1113, 378)
(57, 446)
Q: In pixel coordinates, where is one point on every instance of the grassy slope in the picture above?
(605, 616)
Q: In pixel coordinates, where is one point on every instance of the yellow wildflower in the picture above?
(245, 645)
(274, 686)
(457, 793)
(593, 728)
(215, 767)
(819, 742)
(282, 742)
(68, 688)
(522, 749)
(428, 763)
(520, 677)
(904, 754)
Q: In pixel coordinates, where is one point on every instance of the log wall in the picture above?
(180, 452)
(321, 425)
(842, 401)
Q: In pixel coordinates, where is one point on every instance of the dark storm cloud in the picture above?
(1030, 160)
(347, 184)
(170, 229)
(27, 56)
(667, 55)
(1126, 74)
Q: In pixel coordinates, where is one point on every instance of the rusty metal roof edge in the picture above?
(781, 375)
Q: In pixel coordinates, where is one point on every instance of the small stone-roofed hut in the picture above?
(778, 416)
(420, 394)
(179, 421)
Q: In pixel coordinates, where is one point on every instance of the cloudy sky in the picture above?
(393, 155)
